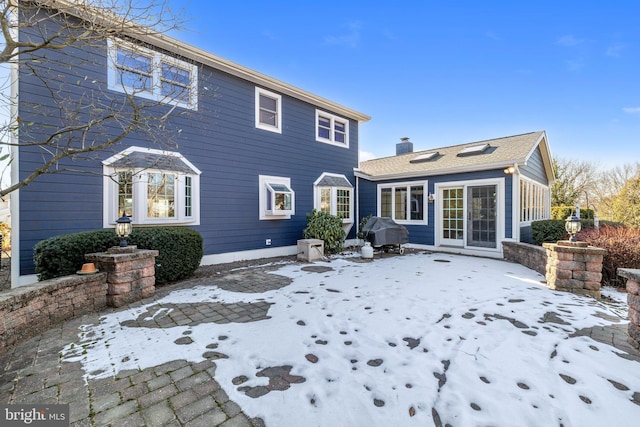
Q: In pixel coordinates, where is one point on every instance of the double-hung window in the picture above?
(276, 198)
(151, 187)
(333, 193)
(403, 202)
(332, 129)
(142, 72)
(268, 110)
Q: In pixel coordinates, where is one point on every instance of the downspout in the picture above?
(515, 204)
(357, 206)
(14, 201)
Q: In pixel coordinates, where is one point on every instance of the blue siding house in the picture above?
(239, 156)
(466, 198)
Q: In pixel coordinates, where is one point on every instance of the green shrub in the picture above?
(552, 230)
(623, 249)
(562, 212)
(64, 255)
(180, 251)
(548, 230)
(324, 226)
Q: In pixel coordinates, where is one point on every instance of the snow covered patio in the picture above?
(424, 339)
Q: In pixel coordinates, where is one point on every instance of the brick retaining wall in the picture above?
(633, 299)
(29, 310)
(127, 275)
(531, 256)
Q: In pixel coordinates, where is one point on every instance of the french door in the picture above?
(482, 214)
(469, 216)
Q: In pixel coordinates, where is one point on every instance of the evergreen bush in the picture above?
(562, 212)
(324, 226)
(180, 251)
(548, 230)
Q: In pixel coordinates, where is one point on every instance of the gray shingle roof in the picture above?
(334, 181)
(140, 160)
(500, 152)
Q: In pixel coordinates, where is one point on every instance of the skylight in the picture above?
(474, 149)
(425, 157)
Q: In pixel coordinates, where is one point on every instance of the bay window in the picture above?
(333, 193)
(151, 187)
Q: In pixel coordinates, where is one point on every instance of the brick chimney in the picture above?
(404, 146)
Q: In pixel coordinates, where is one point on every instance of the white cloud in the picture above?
(615, 49)
(568, 41)
(366, 155)
(632, 110)
(350, 39)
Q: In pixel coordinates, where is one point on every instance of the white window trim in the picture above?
(156, 68)
(538, 201)
(139, 214)
(266, 214)
(500, 200)
(407, 185)
(333, 119)
(317, 203)
(264, 126)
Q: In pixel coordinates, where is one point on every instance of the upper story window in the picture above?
(151, 187)
(142, 72)
(333, 193)
(276, 199)
(332, 129)
(268, 110)
(403, 202)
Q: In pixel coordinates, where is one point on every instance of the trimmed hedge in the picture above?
(562, 212)
(548, 230)
(324, 226)
(180, 251)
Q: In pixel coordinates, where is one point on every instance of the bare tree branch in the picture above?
(72, 116)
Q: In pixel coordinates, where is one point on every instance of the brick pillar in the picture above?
(131, 273)
(633, 299)
(574, 267)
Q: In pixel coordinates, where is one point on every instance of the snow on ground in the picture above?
(412, 340)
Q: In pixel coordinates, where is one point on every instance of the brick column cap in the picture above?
(107, 257)
(591, 250)
(630, 273)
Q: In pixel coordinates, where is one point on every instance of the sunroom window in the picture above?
(151, 187)
(534, 201)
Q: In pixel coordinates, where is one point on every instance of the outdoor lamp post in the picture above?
(573, 226)
(123, 229)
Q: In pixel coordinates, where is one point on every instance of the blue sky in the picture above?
(448, 72)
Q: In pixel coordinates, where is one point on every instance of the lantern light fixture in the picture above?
(123, 229)
(573, 226)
